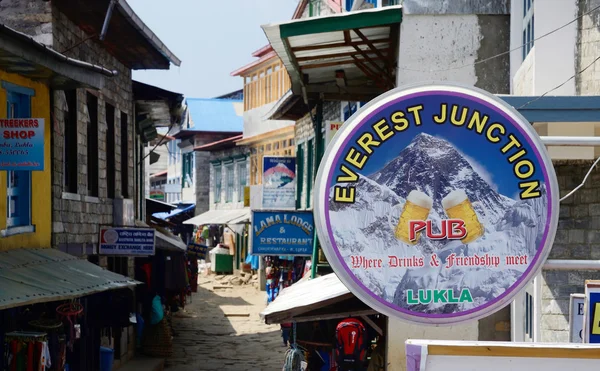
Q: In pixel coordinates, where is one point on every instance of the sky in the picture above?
(211, 38)
(485, 157)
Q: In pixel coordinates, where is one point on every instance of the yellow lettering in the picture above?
(356, 158)
(513, 142)
(344, 194)
(463, 117)
(596, 320)
(416, 114)
(490, 132)
(351, 176)
(526, 174)
(380, 128)
(478, 122)
(398, 119)
(530, 189)
(516, 156)
(366, 141)
(441, 118)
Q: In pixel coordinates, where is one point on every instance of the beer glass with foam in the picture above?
(416, 207)
(457, 206)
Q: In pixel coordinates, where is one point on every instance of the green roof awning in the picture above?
(346, 56)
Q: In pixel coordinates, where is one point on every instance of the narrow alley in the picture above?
(221, 330)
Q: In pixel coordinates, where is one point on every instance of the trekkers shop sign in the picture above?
(126, 241)
(436, 204)
(282, 233)
(22, 144)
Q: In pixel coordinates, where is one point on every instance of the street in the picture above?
(221, 330)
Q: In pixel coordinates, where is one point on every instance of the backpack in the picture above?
(351, 344)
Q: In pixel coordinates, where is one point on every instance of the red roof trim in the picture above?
(262, 51)
(249, 66)
(156, 175)
(222, 141)
(300, 9)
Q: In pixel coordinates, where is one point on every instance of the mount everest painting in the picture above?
(433, 165)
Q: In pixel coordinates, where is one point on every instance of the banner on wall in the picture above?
(22, 144)
(436, 203)
(279, 182)
(126, 241)
(591, 312)
(282, 233)
(576, 307)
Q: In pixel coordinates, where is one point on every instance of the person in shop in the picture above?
(286, 330)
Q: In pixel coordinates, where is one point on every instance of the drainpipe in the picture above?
(111, 6)
(318, 124)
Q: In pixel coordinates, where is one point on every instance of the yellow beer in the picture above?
(417, 207)
(457, 206)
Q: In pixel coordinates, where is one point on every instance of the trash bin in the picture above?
(223, 264)
(107, 356)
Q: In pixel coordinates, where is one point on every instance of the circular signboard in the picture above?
(436, 203)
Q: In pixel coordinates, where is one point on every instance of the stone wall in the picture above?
(37, 22)
(305, 130)
(78, 216)
(578, 237)
(588, 32)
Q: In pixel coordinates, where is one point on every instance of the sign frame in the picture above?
(254, 245)
(125, 252)
(573, 304)
(592, 288)
(266, 190)
(36, 145)
(321, 200)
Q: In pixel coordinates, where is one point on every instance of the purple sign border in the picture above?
(527, 272)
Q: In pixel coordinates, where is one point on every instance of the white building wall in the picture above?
(255, 123)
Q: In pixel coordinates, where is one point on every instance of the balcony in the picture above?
(265, 86)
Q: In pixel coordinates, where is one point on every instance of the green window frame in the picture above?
(229, 176)
(314, 8)
(218, 183)
(299, 174)
(242, 179)
(309, 171)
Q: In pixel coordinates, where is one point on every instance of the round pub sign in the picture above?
(436, 204)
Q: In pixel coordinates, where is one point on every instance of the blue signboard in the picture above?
(593, 310)
(197, 250)
(126, 241)
(282, 233)
(22, 144)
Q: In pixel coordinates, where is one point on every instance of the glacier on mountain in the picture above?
(432, 165)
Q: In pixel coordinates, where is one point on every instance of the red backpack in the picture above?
(351, 344)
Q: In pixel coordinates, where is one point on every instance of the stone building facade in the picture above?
(222, 162)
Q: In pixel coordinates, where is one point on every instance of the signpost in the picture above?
(126, 241)
(591, 314)
(22, 144)
(436, 204)
(576, 307)
(279, 182)
(282, 233)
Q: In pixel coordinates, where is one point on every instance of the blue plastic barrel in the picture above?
(107, 356)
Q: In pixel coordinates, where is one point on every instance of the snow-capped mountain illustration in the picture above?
(278, 176)
(432, 165)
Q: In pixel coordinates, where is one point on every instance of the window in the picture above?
(110, 150)
(528, 315)
(187, 169)
(70, 154)
(372, 2)
(92, 145)
(390, 2)
(528, 30)
(230, 183)
(299, 174)
(18, 187)
(124, 155)
(218, 179)
(349, 5)
(242, 180)
(309, 172)
(314, 8)
(349, 109)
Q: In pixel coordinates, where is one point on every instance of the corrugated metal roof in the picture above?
(223, 115)
(29, 276)
(220, 217)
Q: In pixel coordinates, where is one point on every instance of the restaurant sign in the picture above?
(22, 144)
(436, 203)
(126, 241)
(282, 233)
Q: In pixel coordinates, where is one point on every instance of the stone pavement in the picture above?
(221, 330)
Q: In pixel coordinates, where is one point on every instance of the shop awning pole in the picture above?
(318, 124)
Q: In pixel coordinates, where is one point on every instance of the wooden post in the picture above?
(318, 153)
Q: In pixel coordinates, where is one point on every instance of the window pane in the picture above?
(242, 175)
(218, 184)
(229, 186)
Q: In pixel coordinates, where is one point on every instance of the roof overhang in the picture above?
(219, 144)
(288, 107)
(163, 107)
(234, 216)
(284, 131)
(556, 108)
(347, 56)
(128, 39)
(21, 54)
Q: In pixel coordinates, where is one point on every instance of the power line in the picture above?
(509, 51)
